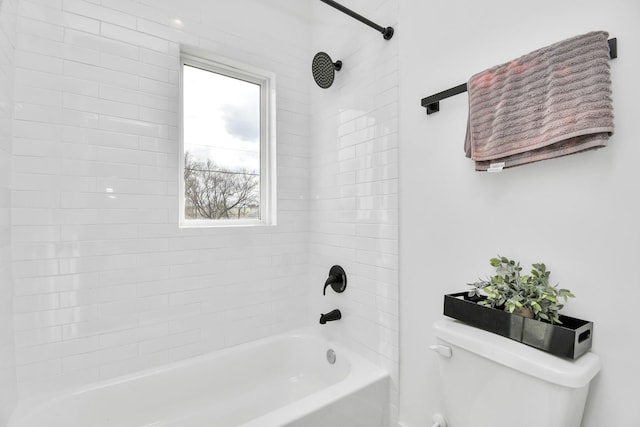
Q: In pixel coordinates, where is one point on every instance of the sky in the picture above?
(221, 119)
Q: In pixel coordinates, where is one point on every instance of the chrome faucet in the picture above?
(330, 316)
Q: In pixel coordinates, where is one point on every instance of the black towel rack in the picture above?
(432, 102)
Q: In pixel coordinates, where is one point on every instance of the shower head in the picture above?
(324, 70)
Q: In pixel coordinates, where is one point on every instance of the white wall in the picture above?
(578, 214)
(107, 285)
(105, 282)
(354, 180)
(8, 386)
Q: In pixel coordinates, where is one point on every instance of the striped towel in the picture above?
(549, 103)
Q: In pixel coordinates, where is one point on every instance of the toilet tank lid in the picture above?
(518, 356)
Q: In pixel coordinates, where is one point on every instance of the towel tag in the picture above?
(496, 167)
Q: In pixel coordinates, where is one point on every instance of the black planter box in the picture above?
(571, 339)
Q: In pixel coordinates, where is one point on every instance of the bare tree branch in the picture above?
(215, 192)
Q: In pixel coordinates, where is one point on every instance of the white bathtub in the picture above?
(279, 381)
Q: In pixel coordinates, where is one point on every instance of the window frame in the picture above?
(266, 81)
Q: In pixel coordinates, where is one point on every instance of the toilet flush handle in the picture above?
(442, 350)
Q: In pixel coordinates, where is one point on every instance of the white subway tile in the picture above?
(126, 276)
(110, 139)
(99, 106)
(78, 232)
(71, 150)
(35, 285)
(96, 295)
(133, 335)
(158, 174)
(95, 327)
(151, 11)
(119, 309)
(131, 186)
(100, 13)
(37, 113)
(100, 357)
(39, 370)
(35, 234)
(192, 350)
(37, 62)
(100, 44)
(197, 295)
(80, 118)
(80, 86)
(136, 97)
(42, 165)
(27, 79)
(40, 29)
(81, 23)
(169, 341)
(135, 127)
(135, 67)
(42, 319)
(377, 259)
(158, 116)
(54, 350)
(35, 268)
(168, 61)
(30, 303)
(126, 366)
(100, 75)
(35, 199)
(377, 173)
(40, 45)
(35, 148)
(46, 11)
(33, 337)
(120, 155)
(97, 169)
(39, 96)
(98, 263)
(81, 54)
(133, 37)
(157, 87)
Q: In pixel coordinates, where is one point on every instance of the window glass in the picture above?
(224, 145)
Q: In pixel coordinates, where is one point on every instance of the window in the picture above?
(227, 156)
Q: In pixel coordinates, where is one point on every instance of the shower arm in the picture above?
(387, 33)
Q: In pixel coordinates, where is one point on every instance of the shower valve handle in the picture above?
(337, 279)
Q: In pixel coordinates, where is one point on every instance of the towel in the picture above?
(549, 103)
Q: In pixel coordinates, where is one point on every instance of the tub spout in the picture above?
(330, 316)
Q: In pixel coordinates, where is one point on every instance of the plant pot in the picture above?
(571, 339)
(524, 312)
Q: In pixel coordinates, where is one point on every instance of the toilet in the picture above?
(492, 381)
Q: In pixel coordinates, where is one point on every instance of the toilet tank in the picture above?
(492, 381)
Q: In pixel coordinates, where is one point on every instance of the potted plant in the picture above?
(529, 296)
(523, 308)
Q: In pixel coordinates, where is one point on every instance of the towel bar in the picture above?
(432, 102)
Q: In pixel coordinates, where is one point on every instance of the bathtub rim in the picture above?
(362, 373)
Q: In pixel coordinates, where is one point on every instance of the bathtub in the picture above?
(284, 380)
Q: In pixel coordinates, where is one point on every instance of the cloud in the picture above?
(242, 120)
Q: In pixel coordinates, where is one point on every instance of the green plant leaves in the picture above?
(510, 290)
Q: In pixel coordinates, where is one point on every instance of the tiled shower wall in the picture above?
(8, 388)
(354, 181)
(105, 282)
